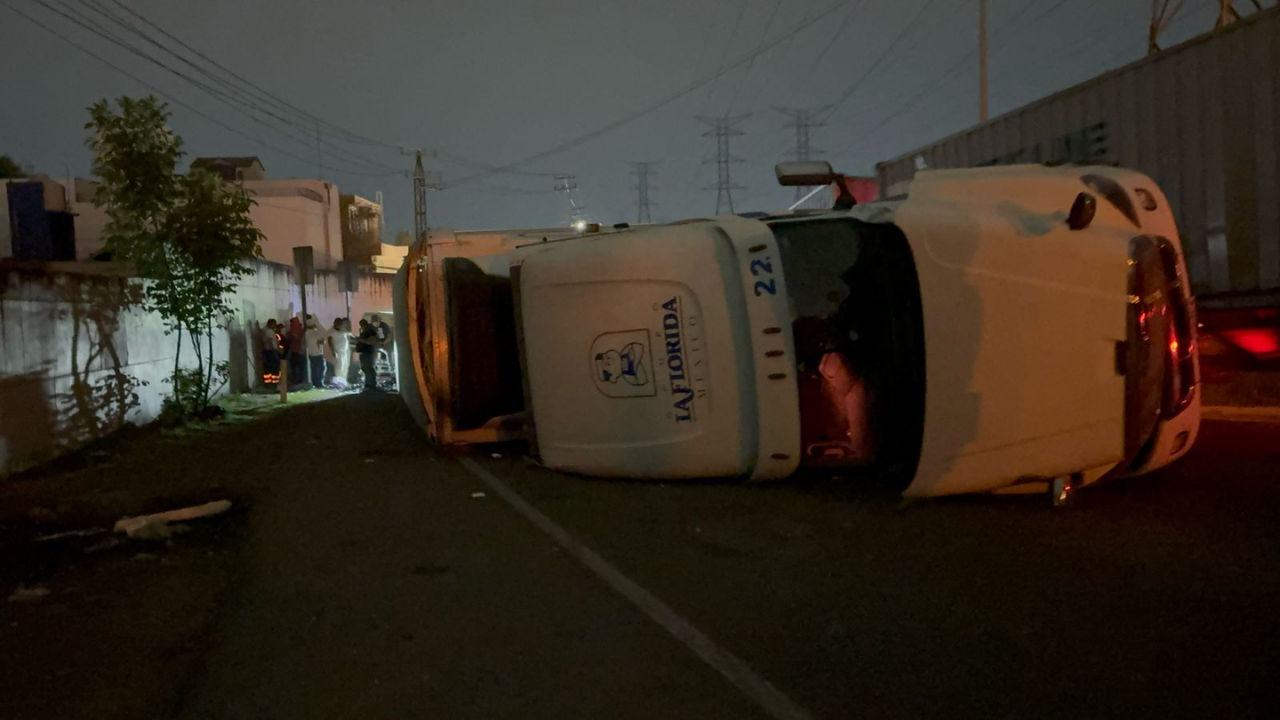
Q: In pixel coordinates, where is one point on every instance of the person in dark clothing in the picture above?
(271, 353)
(383, 329)
(367, 346)
(296, 347)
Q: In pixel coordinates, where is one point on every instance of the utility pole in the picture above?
(982, 60)
(723, 128)
(803, 120)
(319, 154)
(419, 198)
(642, 171)
(568, 184)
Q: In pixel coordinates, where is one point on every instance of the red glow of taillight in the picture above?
(1262, 343)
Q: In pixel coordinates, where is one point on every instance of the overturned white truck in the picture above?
(1001, 328)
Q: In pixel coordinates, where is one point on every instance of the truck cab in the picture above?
(992, 328)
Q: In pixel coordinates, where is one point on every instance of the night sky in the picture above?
(491, 82)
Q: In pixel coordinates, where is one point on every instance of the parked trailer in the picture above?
(997, 328)
(1202, 119)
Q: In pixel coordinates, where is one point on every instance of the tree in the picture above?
(9, 168)
(189, 236)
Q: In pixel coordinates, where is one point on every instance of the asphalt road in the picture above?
(372, 581)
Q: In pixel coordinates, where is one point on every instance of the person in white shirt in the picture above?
(316, 339)
(337, 353)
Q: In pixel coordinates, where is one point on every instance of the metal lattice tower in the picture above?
(642, 171)
(723, 128)
(804, 120)
(1163, 13)
(1228, 14)
(568, 184)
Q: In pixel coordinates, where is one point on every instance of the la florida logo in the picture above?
(676, 346)
(620, 364)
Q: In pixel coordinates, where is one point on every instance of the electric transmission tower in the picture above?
(1228, 14)
(723, 128)
(568, 184)
(804, 121)
(1163, 13)
(642, 171)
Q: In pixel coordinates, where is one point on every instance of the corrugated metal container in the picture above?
(1202, 119)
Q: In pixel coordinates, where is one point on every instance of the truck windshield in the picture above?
(858, 329)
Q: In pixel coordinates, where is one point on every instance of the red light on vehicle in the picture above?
(1263, 343)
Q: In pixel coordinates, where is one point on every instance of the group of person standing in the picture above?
(325, 352)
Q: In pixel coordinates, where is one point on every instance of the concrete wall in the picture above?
(91, 222)
(72, 355)
(292, 213)
(288, 213)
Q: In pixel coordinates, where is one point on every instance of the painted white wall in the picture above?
(53, 345)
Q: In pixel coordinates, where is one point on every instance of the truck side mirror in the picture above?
(800, 174)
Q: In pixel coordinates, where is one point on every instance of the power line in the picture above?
(751, 63)
(662, 102)
(233, 102)
(255, 92)
(1071, 48)
(848, 93)
(169, 97)
(947, 77)
(269, 97)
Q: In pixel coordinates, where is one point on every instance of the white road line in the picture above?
(722, 661)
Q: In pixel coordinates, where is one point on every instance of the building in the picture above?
(361, 228)
(232, 168)
(90, 220)
(295, 213)
(389, 258)
(35, 223)
(58, 220)
(289, 213)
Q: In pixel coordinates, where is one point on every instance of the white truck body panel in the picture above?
(667, 352)
(649, 354)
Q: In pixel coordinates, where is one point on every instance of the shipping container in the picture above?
(1202, 119)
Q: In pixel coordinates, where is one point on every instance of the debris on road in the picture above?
(496, 456)
(70, 533)
(155, 526)
(477, 494)
(29, 594)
